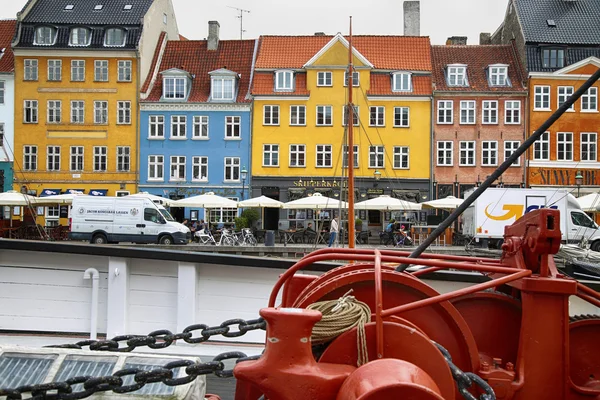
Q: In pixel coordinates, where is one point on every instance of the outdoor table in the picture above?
(421, 232)
(323, 237)
(286, 236)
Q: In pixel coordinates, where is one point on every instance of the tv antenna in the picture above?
(241, 17)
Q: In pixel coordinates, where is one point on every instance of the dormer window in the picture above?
(553, 58)
(457, 75)
(80, 37)
(284, 80)
(401, 82)
(45, 36)
(223, 88)
(498, 75)
(174, 87)
(114, 37)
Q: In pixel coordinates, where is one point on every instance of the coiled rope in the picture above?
(340, 316)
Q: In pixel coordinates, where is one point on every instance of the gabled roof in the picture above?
(577, 21)
(7, 32)
(194, 57)
(383, 52)
(338, 39)
(477, 59)
(113, 12)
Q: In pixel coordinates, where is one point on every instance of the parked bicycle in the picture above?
(246, 238)
(228, 238)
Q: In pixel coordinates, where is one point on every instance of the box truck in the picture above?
(496, 208)
(103, 220)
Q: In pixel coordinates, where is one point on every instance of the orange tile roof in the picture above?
(263, 85)
(193, 57)
(7, 32)
(381, 85)
(384, 52)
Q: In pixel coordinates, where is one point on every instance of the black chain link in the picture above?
(464, 380)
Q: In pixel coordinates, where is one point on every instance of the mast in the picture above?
(350, 125)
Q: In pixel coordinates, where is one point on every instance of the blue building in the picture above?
(195, 122)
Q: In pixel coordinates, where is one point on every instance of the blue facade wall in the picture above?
(7, 168)
(216, 148)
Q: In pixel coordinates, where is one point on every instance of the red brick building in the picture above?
(480, 105)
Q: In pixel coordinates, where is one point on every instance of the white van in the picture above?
(103, 220)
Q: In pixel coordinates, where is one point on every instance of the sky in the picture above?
(439, 18)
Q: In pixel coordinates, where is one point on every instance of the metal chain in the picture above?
(464, 380)
(164, 338)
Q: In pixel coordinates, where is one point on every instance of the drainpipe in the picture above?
(95, 275)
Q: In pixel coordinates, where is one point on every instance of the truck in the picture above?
(102, 220)
(485, 219)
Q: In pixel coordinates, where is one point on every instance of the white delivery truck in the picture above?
(124, 219)
(496, 208)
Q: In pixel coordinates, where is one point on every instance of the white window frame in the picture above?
(101, 71)
(510, 146)
(401, 111)
(77, 70)
(156, 162)
(562, 139)
(174, 88)
(376, 156)
(52, 158)
(297, 150)
(123, 158)
(356, 115)
(324, 156)
(41, 36)
(30, 70)
(54, 111)
(177, 168)
(588, 140)
(323, 112)
(30, 157)
(443, 112)
(562, 94)
(498, 75)
(199, 162)
(178, 127)
(512, 115)
(345, 156)
(470, 107)
(124, 71)
(324, 78)
(401, 82)
(54, 70)
(489, 149)
(489, 111)
(124, 112)
(467, 150)
(100, 157)
(296, 119)
(75, 34)
(201, 127)
(541, 96)
(52, 215)
(591, 98)
(77, 111)
(271, 114)
(540, 146)
(233, 127)
(270, 156)
(377, 116)
(355, 79)
(30, 107)
(457, 75)
(284, 80)
(445, 149)
(220, 91)
(101, 112)
(77, 158)
(156, 123)
(232, 164)
(401, 153)
(110, 41)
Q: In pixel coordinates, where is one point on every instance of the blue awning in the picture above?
(49, 192)
(98, 192)
(74, 191)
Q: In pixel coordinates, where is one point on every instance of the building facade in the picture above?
(480, 101)
(299, 145)
(195, 122)
(7, 105)
(78, 71)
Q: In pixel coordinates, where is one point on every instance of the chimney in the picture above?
(319, 33)
(456, 40)
(485, 38)
(213, 35)
(412, 18)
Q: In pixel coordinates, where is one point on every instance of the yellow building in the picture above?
(78, 71)
(298, 134)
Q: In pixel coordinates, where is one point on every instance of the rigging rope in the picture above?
(340, 316)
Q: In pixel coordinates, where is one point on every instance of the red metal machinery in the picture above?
(512, 330)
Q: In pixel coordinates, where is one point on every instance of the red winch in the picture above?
(511, 333)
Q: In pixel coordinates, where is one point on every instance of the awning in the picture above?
(74, 191)
(98, 192)
(49, 192)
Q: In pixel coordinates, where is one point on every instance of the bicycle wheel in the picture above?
(229, 241)
(251, 240)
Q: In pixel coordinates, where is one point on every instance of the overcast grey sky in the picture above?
(439, 18)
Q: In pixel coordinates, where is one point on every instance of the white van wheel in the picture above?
(99, 238)
(168, 240)
(595, 246)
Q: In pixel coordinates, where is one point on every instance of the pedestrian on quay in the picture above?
(333, 230)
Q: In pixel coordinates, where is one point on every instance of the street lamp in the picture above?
(243, 174)
(578, 181)
(377, 175)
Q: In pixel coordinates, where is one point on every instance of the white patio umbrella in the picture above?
(154, 198)
(589, 202)
(206, 200)
(317, 202)
(66, 198)
(386, 203)
(14, 198)
(447, 203)
(260, 202)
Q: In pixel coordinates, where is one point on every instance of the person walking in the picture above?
(333, 230)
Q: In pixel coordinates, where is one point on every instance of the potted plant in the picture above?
(358, 224)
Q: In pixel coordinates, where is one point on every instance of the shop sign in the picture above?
(377, 192)
(308, 183)
(562, 176)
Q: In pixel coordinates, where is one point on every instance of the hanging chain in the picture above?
(464, 380)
